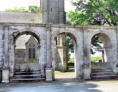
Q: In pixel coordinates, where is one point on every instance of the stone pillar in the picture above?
(1, 50)
(49, 63)
(43, 55)
(79, 57)
(49, 70)
(113, 55)
(5, 70)
(79, 64)
(11, 59)
(6, 51)
(86, 55)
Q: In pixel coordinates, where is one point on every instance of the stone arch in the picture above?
(68, 34)
(105, 36)
(108, 46)
(75, 43)
(27, 33)
(13, 37)
(106, 41)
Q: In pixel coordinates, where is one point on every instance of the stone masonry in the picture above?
(82, 36)
(53, 19)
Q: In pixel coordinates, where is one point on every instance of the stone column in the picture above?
(1, 50)
(113, 52)
(5, 70)
(6, 51)
(86, 55)
(43, 55)
(1, 46)
(49, 63)
(79, 56)
(11, 59)
(49, 71)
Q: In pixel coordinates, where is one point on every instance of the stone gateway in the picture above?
(53, 19)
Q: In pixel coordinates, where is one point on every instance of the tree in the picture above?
(32, 9)
(77, 18)
(69, 47)
(94, 12)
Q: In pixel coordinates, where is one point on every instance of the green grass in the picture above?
(71, 60)
(94, 59)
(57, 72)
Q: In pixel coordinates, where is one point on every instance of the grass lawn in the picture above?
(57, 72)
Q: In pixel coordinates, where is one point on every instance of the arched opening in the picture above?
(101, 56)
(65, 59)
(26, 56)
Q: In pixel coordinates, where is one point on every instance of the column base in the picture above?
(87, 73)
(5, 76)
(49, 74)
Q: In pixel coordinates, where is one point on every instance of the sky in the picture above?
(10, 4)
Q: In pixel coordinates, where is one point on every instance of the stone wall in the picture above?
(20, 56)
(14, 17)
(82, 36)
(27, 66)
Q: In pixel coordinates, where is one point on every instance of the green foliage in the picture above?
(96, 41)
(32, 9)
(77, 18)
(69, 43)
(16, 10)
(95, 12)
(94, 59)
(69, 47)
(71, 60)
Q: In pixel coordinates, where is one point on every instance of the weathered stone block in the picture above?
(13, 17)
(5, 76)
(49, 76)
(87, 73)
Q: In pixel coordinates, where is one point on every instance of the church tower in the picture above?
(52, 11)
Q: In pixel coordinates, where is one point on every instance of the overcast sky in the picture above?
(6, 4)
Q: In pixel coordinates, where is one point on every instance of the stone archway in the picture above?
(106, 45)
(75, 50)
(103, 68)
(14, 37)
(109, 45)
